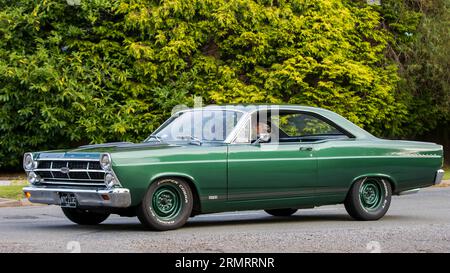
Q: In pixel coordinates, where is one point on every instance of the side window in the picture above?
(298, 124)
(293, 126)
(287, 126)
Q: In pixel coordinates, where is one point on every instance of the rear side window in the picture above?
(299, 124)
(294, 126)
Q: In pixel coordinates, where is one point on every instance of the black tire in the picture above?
(84, 217)
(369, 199)
(159, 209)
(281, 212)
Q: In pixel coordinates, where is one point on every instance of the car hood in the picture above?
(94, 151)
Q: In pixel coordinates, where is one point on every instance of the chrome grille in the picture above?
(45, 164)
(75, 172)
(94, 165)
(78, 164)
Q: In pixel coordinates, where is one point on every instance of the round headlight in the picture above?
(33, 177)
(28, 162)
(105, 162)
(110, 180)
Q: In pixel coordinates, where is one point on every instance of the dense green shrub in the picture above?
(112, 70)
(421, 29)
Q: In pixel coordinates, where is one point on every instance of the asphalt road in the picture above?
(414, 223)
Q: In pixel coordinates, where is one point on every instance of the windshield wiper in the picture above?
(193, 140)
(155, 137)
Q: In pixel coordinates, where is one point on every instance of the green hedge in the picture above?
(113, 70)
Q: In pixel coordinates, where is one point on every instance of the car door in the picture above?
(273, 170)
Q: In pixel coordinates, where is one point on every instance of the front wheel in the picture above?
(369, 199)
(166, 205)
(84, 217)
(281, 212)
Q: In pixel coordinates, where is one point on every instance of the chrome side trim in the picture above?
(439, 176)
(116, 198)
(409, 192)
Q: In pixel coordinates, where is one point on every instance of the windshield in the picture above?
(199, 125)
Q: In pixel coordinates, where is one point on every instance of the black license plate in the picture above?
(68, 200)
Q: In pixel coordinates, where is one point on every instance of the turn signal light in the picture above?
(105, 197)
(27, 195)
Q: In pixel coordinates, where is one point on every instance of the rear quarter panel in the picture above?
(406, 164)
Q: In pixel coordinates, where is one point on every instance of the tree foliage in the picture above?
(420, 47)
(112, 70)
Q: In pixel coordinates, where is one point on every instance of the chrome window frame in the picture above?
(230, 139)
(234, 133)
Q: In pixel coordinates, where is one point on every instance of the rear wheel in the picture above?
(166, 205)
(281, 212)
(369, 199)
(84, 217)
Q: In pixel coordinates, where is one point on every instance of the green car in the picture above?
(279, 158)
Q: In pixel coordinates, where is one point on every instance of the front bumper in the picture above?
(111, 198)
(439, 176)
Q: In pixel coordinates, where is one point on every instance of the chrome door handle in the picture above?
(306, 149)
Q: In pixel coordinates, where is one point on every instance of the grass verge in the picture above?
(12, 192)
(447, 173)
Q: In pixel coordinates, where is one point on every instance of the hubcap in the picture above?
(166, 202)
(371, 194)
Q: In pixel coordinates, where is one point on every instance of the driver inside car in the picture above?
(260, 128)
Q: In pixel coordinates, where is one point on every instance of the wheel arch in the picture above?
(188, 179)
(389, 178)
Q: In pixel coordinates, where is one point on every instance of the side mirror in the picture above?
(265, 137)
